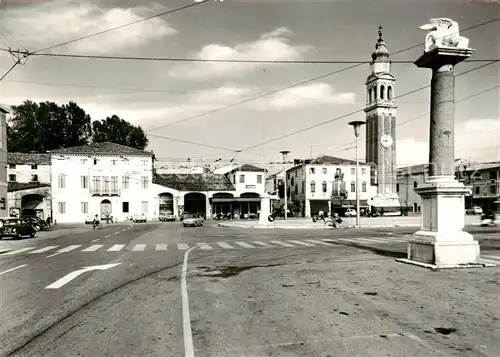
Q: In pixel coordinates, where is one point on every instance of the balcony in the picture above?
(101, 191)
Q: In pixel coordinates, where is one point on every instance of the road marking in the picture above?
(139, 247)
(116, 233)
(4, 250)
(67, 278)
(123, 230)
(161, 247)
(95, 240)
(93, 248)
(224, 245)
(186, 318)
(244, 245)
(116, 248)
(314, 241)
(109, 235)
(301, 243)
(65, 250)
(8, 271)
(282, 243)
(22, 250)
(204, 246)
(261, 243)
(46, 249)
(182, 246)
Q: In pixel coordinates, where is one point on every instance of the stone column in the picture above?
(265, 209)
(441, 242)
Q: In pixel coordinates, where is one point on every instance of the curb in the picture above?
(312, 227)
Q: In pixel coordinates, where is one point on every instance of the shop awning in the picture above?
(234, 199)
(348, 203)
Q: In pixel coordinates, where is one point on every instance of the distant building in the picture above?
(182, 170)
(3, 160)
(29, 185)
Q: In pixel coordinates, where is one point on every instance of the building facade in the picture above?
(29, 176)
(327, 184)
(381, 127)
(101, 179)
(3, 160)
(484, 181)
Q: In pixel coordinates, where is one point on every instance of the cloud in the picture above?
(55, 22)
(271, 46)
(305, 96)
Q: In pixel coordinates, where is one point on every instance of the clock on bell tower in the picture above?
(381, 120)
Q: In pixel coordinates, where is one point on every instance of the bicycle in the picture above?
(97, 225)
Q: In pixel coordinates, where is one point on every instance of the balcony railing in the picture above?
(100, 191)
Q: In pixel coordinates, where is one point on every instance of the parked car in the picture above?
(350, 212)
(38, 223)
(476, 210)
(166, 217)
(16, 228)
(192, 220)
(139, 218)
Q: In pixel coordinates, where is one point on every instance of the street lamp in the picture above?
(356, 124)
(284, 153)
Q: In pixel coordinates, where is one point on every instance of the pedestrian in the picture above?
(321, 216)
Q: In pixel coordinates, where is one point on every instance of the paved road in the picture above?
(265, 292)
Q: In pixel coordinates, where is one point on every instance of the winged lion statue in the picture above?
(444, 32)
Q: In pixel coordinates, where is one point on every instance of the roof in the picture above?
(105, 148)
(332, 160)
(482, 166)
(18, 186)
(194, 182)
(4, 109)
(249, 168)
(21, 158)
(412, 170)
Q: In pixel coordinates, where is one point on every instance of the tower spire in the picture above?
(381, 53)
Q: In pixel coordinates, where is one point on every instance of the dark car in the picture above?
(16, 228)
(38, 223)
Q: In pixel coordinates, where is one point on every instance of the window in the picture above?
(61, 181)
(125, 207)
(125, 182)
(338, 173)
(369, 95)
(83, 161)
(144, 182)
(113, 162)
(84, 180)
(95, 161)
(242, 178)
(303, 187)
(477, 190)
(106, 184)
(96, 183)
(114, 183)
(312, 170)
(144, 205)
(12, 178)
(363, 171)
(382, 92)
(324, 186)
(397, 187)
(291, 182)
(12, 166)
(144, 162)
(296, 190)
(363, 186)
(313, 186)
(61, 207)
(389, 92)
(415, 207)
(415, 184)
(493, 189)
(353, 171)
(234, 178)
(34, 178)
(84, 207)
(325, 171)
(259, 178)
(34, 166)
(375, 93)
(353, 186)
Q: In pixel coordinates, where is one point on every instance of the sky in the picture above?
(191, 110)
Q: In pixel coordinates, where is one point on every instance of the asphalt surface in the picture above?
(248, 293)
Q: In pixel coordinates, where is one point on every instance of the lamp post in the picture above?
(284, 153)
(356, 124)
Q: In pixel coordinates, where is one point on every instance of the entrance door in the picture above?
(105, 208)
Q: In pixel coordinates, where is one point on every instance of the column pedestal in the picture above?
(441, 242)
(265, 209)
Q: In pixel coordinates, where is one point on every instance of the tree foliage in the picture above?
(46, 126)
(118, 131)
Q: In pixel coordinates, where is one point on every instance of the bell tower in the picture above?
(381, 126)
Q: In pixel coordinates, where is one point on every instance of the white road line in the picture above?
(301, 243)
(186, 318)
(261, 243)
(204, 246)
(182, 246)
(116, 248)
(95, 240)
(244, 245)
(161, 247)
(65, 250)
(282, 243)
(139, 248)
(116, 233)
(46, 249)
(224, 245)
(8, 271)
(4, 250)
(109, 235)
(123, 230)
(93, 248)
(330, 240)
(22, 250)
(314, 241)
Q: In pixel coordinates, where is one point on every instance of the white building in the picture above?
(29, 184)
(3, 158)
(102, 178)
(327, 184)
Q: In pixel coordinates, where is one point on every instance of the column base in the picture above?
(435, 250)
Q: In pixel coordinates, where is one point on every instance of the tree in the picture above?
(47, 126)
(116, 130)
